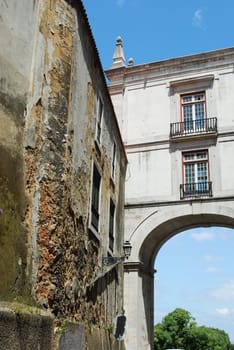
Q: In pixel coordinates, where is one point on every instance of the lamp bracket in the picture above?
(111, 260)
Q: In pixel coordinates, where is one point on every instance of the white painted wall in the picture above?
(18, 42)
(150, 100)
(148, 170)
(146, 100)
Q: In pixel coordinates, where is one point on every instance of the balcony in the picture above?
(196, 190)
(197, 127)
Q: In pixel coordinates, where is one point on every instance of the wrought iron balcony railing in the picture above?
(196, 190)
(192, 127)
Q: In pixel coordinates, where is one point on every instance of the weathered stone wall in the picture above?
(25, 328)
(48, 111)
(16, 41)
(48, 159)
(77, 337)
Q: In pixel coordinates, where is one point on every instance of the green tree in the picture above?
(161, 338)
(171, 333)
(207, 338)
(179, 330)
(218, 339)
(196, 338)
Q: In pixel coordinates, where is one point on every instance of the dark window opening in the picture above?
(111, 225)
(95, 198)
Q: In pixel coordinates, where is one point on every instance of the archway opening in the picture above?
(147, 240)
(195, 273)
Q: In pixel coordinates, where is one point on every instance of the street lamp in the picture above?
(111, 260)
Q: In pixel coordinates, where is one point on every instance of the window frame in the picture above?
(99, 119)
(111, 236)
(195, 124)
(196, 187)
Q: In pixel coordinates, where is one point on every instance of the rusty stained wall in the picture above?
(48, 104)
(67, 276)
(47, 158)
(89, 85)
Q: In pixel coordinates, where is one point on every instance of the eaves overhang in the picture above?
(78, 6)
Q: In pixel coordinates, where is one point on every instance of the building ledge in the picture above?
(193, 137)
(151, 204)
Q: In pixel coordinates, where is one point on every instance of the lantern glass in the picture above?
(127, 247)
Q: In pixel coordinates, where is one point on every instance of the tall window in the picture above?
(99, 121)
(113, 160)
(95, 198)
(111, 225)
(195, 172)
(193, 111)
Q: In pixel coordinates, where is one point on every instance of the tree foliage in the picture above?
(178, 330)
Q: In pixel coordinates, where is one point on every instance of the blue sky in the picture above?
(195, 272)
(195, 267)
(154, 30)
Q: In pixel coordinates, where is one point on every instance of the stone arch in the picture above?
(164, 223)
(147, 239)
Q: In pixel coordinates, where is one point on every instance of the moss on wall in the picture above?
(15, 105)
(47, 149)
(12, 235)
(25, 328)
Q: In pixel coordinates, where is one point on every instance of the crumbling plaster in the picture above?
(47, 150)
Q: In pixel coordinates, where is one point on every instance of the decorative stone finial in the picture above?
(130, 62)
(118, 56)
(119, 40)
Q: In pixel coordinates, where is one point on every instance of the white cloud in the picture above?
(226, 292)
(224, 311)
(203, 236)
(198, 18)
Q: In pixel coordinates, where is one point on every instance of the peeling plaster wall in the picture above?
(48, 108)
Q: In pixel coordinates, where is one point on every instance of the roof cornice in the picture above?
(169, 67)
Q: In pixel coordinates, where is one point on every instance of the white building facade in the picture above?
(177, 121)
